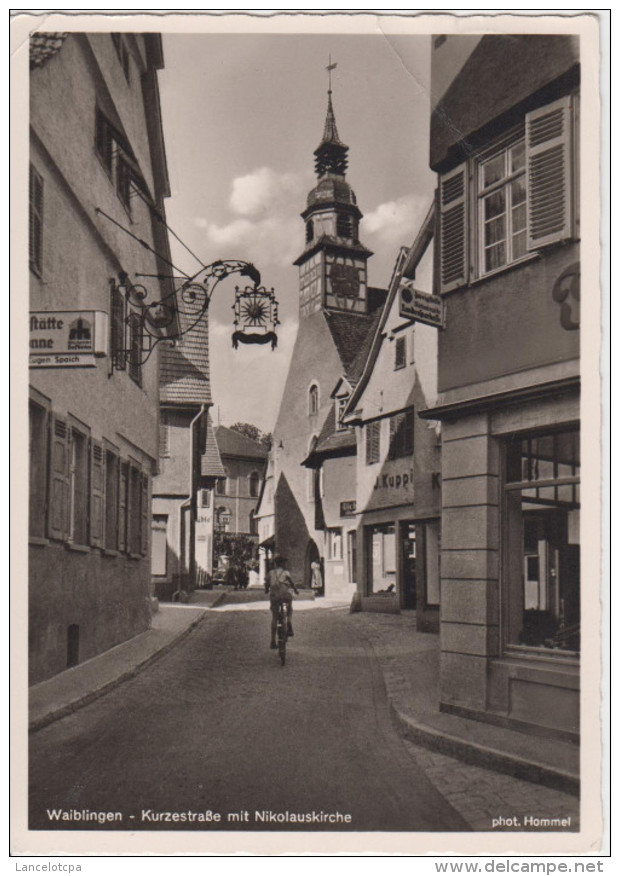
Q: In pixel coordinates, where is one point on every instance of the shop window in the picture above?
(520, 197)
(334, 544)
(400, 352)
(38, 423)
(313, 400)
(159, 550)
(35, 220)
(373, 442)
(111, 500)
(401, 435)
(382, 545)
(254, 481)
(542, 505)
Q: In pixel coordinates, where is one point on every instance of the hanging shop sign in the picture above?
(67, 338)
(420, 306)
(347, 509)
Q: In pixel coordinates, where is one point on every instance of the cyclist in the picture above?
(278, 585)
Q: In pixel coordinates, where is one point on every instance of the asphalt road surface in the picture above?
(217, 727)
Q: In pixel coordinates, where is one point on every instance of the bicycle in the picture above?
(282, 629)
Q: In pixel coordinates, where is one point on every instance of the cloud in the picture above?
(267, 228)
(394, 223)
(263, 190)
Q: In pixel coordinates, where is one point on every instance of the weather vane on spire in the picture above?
(329, 69)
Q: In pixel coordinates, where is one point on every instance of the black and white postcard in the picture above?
(312, 412)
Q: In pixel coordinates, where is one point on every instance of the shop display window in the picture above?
(542, 538)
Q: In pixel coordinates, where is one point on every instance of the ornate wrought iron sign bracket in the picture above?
(139, 325)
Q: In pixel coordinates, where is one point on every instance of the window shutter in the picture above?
(58, 519)
(453, 228)
(144, 514)
(97, 493)
(548, 134)
(122, 506)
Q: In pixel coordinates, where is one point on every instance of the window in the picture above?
(38, 421)
(134, 508)
(313, 400)
(35, 220)
(253, 484)
(520, 197)
(373, 442)
(221, 486)
(117, 161)
(164, 435)
(135, 348)
(334, 544)
(122, 52)
(401, 435)
(205, 498)
(309, 231)
(501, 207)
(78, 487)
(541, 573)
(97, 493)
(352, 555)
(159, 551)
(341, 404)
(112, 469)
(400, 352)
(344, 226)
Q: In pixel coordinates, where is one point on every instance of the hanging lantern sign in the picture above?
(256, 317)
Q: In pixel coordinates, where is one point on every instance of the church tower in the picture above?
(339, 314)
(332, 267)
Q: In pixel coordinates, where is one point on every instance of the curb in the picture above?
(488, 758)
(63, 711)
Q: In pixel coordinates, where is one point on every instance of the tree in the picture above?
(254, 433)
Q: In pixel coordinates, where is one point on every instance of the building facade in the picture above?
(398, 454)
(337, 311)
(508, 273)
(97, 168)
(237, 491)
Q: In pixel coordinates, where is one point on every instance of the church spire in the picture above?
(331, 154)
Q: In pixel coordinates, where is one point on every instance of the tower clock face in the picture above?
(345, 281)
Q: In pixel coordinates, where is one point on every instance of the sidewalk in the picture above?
(409, 662)
(68, 691)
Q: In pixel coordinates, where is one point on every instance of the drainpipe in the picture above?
(187, 503)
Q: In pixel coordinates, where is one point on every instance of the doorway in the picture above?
(408, 545)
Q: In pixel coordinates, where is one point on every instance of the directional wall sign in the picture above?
(67, 338)
(420, 306)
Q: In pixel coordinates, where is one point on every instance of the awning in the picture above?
(269, 544)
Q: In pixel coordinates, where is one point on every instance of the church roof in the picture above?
(352, 334)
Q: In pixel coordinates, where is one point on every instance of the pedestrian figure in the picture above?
(278, 586)
(316, 579)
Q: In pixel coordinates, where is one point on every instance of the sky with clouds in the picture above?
(242, 116)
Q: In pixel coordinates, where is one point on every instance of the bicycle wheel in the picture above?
(282, 635)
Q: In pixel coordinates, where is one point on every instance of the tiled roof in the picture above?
(331, 442)
(352, 334)
(44, 46)
(210, 461)
(233, 443)
(184, 368)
